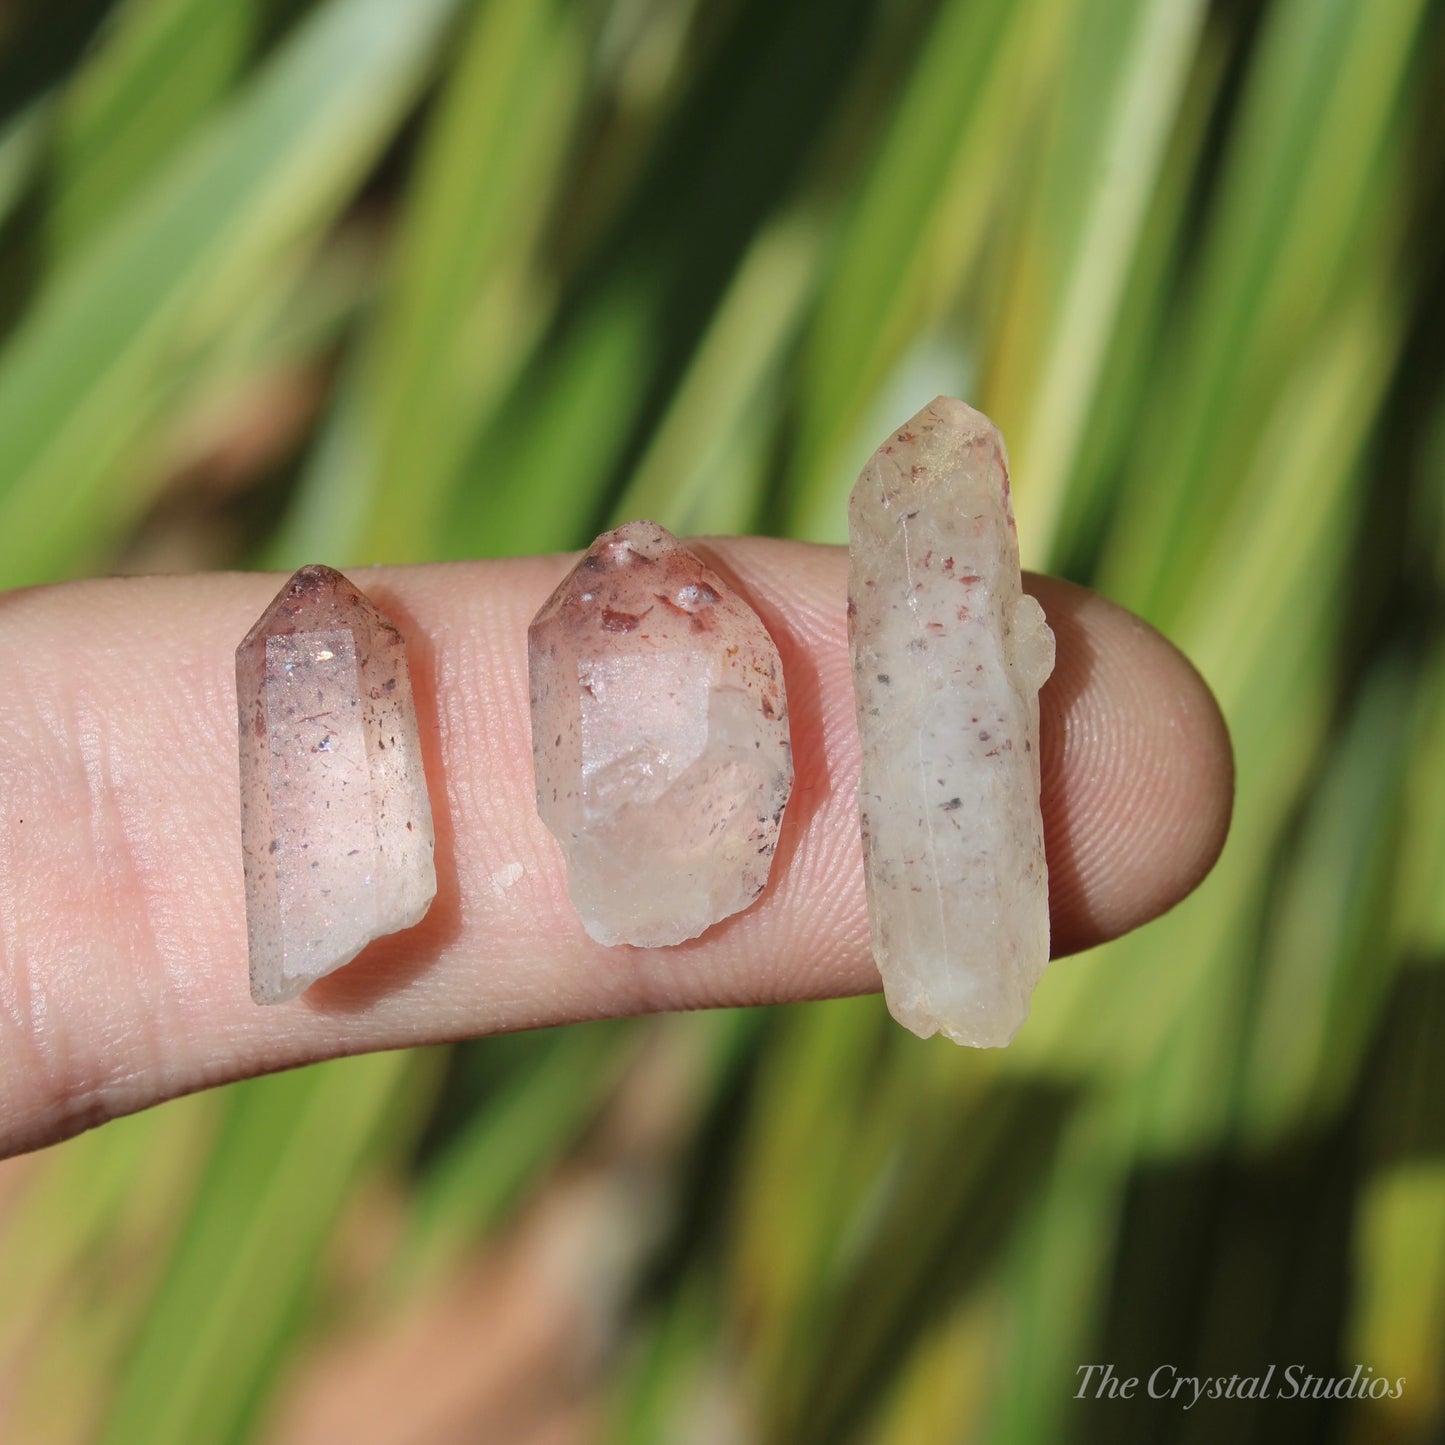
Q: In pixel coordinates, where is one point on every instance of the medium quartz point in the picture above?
(660, 738)
(948, 654)
(336, 827)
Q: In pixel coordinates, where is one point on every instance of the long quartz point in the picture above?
(336, 826)
(948, 656)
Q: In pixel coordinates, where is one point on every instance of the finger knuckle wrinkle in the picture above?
(72, 916)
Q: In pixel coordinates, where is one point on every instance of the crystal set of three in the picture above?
(661, 746)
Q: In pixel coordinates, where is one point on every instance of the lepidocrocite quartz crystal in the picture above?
(948, 656)
(659, 738)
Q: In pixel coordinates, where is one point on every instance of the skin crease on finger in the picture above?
(123, 976)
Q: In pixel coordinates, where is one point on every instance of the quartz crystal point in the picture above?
(948, 655)
(660, 738)
(336, 827)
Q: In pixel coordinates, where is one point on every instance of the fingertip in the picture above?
(1138, 772)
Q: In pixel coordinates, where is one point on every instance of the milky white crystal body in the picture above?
(948, 657)
(659, 738)
(336, 825)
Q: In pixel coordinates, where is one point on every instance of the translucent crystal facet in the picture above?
(948, 655)
(336, 826)
(660, 739)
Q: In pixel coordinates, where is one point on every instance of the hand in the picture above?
(123, 977)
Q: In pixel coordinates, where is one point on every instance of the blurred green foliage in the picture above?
(370, 280)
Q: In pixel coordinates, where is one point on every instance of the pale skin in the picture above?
(123, 978)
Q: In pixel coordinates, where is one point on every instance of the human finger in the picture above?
(123, 977)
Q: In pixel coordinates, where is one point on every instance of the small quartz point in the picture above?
(336, 827)
(660, 738)
(948, 655)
